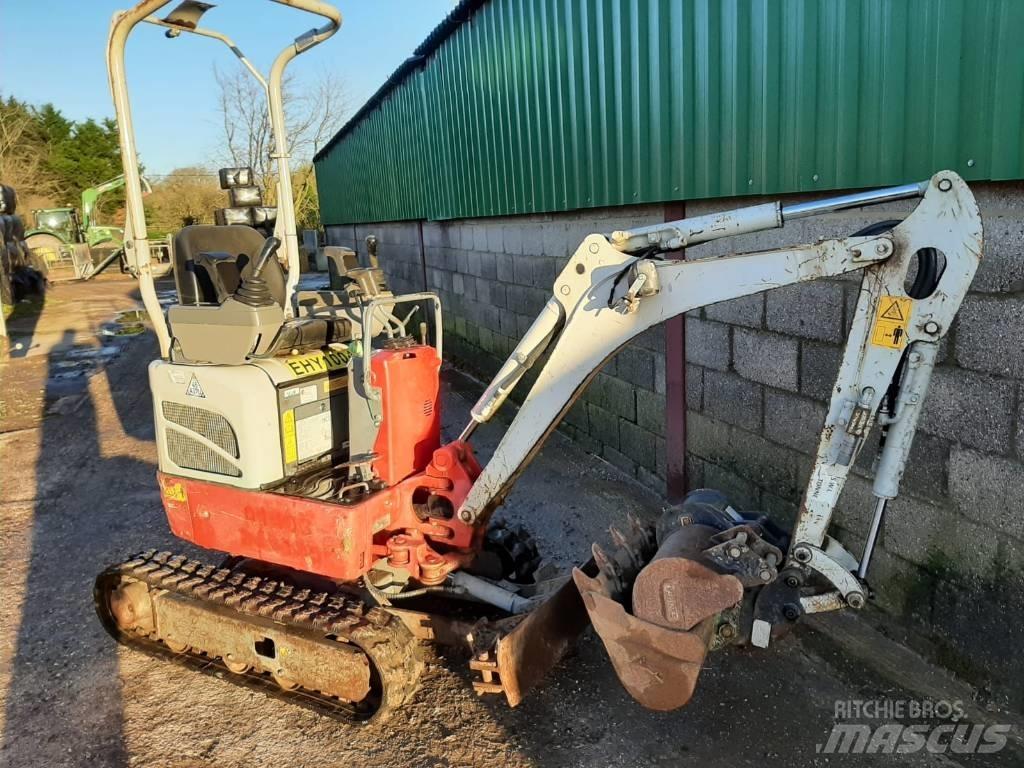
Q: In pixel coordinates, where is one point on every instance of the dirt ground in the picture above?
(78, 492)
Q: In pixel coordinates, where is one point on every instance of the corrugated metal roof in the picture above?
(522, 106)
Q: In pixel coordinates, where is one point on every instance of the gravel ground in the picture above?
(78, 492)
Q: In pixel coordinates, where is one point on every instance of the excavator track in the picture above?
(363, 660)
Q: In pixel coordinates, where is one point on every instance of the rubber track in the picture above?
(388, 644)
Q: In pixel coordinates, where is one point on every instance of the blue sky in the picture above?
(173, 93)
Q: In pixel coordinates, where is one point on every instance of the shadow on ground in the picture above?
(63, 702)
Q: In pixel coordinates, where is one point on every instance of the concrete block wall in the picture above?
(494, 276)
(759, 374)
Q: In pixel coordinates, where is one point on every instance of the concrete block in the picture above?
(898, 585)
(970, 614)
(495, 240)
(659, 375)
(544, 273)
(793, 421)
(707, 343)
(516, 297)
(931, 536)
(987, 489)
(523, 269)
(483, 289)
(487, 342)
(650, 411)
(577, 416)
(488, 266)
(603, 425)
(1002, 269)
(636, 366)
(781, 511)
(496, 295)
(479, 238)
(734, 400)
(970, 408)
(619, 460)
(769, 466)
(819, 366)
(926, 465)
(694, 387)
(474, 265)
(747, 311)
(742, 493)
(512, 239)
(767, 358)
(555, 239)
(856, 506)
(532, 239)
(1020, 430)
(694, 472)
(433, 234)
(652, 339)
(638, 444)
(990, 335)
(613, 395)
(810, 310)
(505, 267)
(651, 480)
(582, 439)
(491, 317)
(536, 299)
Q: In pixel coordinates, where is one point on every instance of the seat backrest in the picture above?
(211, 260)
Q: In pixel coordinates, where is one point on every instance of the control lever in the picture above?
(253, 291)
(269, 249)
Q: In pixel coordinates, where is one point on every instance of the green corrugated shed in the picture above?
(526, 106)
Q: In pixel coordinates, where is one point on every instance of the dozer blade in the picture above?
(524, 656)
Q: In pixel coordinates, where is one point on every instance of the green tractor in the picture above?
(74, 246)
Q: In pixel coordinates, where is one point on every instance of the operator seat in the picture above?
(210, 261)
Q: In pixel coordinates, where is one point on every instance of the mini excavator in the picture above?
(298, 434)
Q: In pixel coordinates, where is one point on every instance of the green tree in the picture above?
(50, 159)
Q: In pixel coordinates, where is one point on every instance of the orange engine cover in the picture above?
(409, 380)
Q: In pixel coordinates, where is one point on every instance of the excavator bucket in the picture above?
(657, 666)
(661, 598)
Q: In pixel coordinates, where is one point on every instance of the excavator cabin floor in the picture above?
(78, 491)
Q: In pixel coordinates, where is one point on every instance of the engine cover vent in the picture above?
(210, 425)
(189, 453)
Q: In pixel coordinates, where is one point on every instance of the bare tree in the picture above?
(184, 196)
(313, 113)
(22, 158)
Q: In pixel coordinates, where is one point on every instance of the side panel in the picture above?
(217, 423)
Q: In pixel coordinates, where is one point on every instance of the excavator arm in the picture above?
(92, 194)
(915, 275)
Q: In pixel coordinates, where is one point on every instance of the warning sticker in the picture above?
(291, 448)
(891, 322)
(175, 492)
(194, 390)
